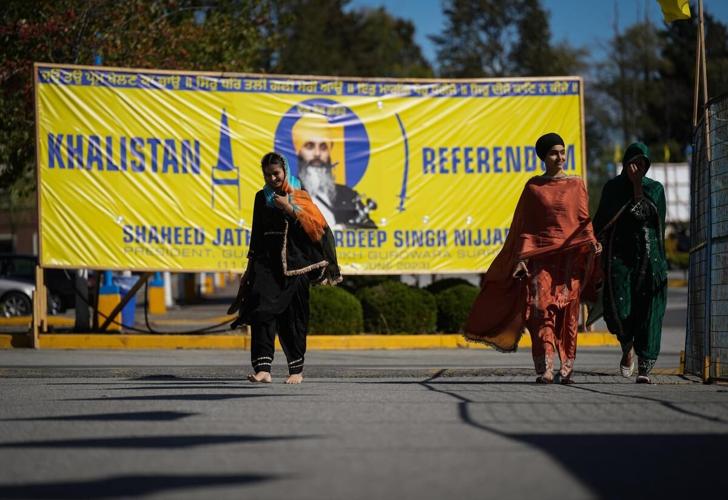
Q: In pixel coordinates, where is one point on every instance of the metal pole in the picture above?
(696, 87)
(82, 318)
(705, 83)
(709, 201)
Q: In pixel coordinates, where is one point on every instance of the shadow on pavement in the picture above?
(185, 397)
(667, 404)
(176, 378)
(640, 465)
(622, 465)
(177, 387)
(138, 416)
(133, 385)
(150, 442)
(126, 486)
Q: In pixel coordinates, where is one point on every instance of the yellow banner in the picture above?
(152, 170)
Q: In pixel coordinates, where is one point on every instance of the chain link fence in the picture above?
(706, 343)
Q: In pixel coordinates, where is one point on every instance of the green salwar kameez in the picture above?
(632, 233)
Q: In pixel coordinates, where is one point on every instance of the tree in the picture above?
(476, 38)
(649, 78)
(495, 38)
(678, 74)
(324, 39)
(533, 54)
(383, 45)
(237, 35)
(315, 44)
(631, 78)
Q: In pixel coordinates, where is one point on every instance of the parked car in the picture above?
(17, 283)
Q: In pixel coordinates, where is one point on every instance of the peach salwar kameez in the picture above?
(552, 232)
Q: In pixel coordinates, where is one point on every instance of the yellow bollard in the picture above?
(109, 298)
(208, 283)
(107, 303)
(157, 303)
(156, 300)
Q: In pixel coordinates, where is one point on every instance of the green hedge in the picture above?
(453, 307)
(678, 260)
(440, 285)
(393, 307)
(355, 283)
(334, 310)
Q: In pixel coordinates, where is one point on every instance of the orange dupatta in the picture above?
(551, 217)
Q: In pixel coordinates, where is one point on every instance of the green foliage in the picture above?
(393, 307)
(678, 260)
(677, 74)
(355, 283)
(474, 42)
(453, 307)
(237, 35)
(324, 39)
(649, 77)
(630, 78)
(440, 285)
(335, 311)
(502, 38)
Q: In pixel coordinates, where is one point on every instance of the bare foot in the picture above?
(260, 377)
(296, 378)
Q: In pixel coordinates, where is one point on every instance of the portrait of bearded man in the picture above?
(314, 140)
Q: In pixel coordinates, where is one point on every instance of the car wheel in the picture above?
(55, 305)
(15, 304)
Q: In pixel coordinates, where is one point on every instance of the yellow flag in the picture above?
(666, 153)
(675, 10)
(617, 154)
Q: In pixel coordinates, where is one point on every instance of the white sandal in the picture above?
(627, 371)
(643, 379)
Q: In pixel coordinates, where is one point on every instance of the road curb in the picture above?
(242, 342)
(66, 322)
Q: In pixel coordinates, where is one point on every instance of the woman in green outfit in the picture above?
(630, 223)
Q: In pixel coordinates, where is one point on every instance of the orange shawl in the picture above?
(551, 217)
(307, 213)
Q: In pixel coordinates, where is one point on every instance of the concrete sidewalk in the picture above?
(591, 362)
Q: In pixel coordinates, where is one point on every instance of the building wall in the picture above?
(19, 230)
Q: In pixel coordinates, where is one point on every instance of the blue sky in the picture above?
(580, 22)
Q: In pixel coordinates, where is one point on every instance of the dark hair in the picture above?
(273, 158)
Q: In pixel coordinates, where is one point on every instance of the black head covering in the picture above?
(546, 142)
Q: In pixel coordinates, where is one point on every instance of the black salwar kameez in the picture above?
(283, 262)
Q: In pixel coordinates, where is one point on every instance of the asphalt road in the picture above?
(365, 424)
(496, 436)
